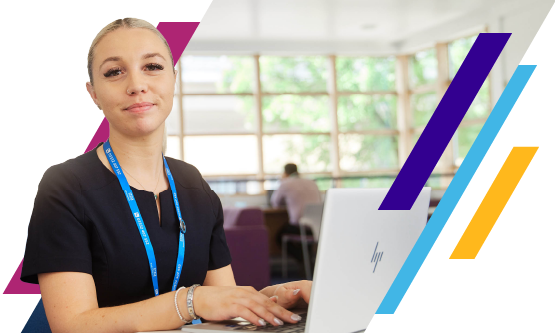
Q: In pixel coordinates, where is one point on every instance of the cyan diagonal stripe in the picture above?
(444, 122)
(456, 189)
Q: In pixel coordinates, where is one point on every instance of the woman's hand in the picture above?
(294, 294)
(221, 303)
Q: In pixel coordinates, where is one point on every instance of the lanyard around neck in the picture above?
(139, 220)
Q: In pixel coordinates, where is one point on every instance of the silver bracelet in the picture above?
(190, 308)
(177, 307)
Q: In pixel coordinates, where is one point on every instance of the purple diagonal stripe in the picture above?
(445, 121)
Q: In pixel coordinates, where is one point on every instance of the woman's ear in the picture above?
(91, 91)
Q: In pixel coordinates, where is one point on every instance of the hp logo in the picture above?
(376, 257)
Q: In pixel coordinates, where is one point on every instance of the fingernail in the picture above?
(262, 322)
(274, 297)
(296, 317)
(277, 321)
(296, 291)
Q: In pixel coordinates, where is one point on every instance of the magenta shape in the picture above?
(178, 35)
(16, 286)
(101, 135)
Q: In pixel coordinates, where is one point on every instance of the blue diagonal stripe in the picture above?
(456, 189)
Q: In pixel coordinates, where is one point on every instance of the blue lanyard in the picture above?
(139, 220)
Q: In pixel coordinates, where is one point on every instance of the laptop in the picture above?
(361, 249)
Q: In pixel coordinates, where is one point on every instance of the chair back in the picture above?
(312, 217)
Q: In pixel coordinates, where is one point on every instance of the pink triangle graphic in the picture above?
(178, 35)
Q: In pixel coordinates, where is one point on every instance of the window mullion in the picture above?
(334, 127)
(258, 115)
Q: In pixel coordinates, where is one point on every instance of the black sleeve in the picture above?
(219, 252)
(57, 239)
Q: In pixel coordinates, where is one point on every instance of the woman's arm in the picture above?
(70, 303)
(220, 277)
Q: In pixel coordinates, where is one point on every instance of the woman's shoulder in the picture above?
(187, 175)
(79, 173)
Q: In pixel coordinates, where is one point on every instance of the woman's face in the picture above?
(133, 80)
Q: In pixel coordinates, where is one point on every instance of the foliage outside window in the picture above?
(293, 74)
(365, 74)
(423, 68)
(367, 112)
(221, 113)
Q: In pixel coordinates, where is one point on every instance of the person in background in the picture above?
(295, 192)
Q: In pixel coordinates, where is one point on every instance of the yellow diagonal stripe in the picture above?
(495, 200)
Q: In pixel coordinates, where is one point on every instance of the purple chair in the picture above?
(247, 239)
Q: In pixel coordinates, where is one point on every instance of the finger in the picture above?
(293, 285)
(245, 313)
(276, 309)
(274, 299)
(302, 287)
(261, 311)
(306, 288)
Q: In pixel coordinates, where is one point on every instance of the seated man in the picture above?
(295, 193)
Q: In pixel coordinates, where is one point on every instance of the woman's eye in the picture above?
(113, 72)
(154, 67)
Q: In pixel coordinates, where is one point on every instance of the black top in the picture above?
(81, 222)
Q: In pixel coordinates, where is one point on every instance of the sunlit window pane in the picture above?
(423, 106)
(223, 154)
(293, 74)
(365, 74)
(366, 112)
(311, 153)
(172, 122)
(218, 114)
(458, 50)
(465, 138)
(367, 182)
(323, 184)
(217, 74)
(294, 113)
(365, 152)
(423, 68)
(172, 146)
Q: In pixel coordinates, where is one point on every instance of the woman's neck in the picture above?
(139, 156)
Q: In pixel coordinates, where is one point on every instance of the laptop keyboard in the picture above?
(285, 328)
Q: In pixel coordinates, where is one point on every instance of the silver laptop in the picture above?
(360, 251)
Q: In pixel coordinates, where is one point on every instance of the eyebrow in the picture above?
(146, 56)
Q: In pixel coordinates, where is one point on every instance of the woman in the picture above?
(84, 248)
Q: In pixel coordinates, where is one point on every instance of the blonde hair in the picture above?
(126, 22)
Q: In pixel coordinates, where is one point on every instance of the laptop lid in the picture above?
(360, 251)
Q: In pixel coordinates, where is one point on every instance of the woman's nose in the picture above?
(136, 84)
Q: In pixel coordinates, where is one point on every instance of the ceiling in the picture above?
(329, 20)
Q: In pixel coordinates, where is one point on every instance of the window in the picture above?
(239, 119)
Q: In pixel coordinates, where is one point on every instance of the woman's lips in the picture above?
(139, 107)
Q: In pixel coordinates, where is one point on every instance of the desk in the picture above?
(275, 219)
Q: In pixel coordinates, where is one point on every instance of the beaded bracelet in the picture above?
(177, 307)
(190, 307)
